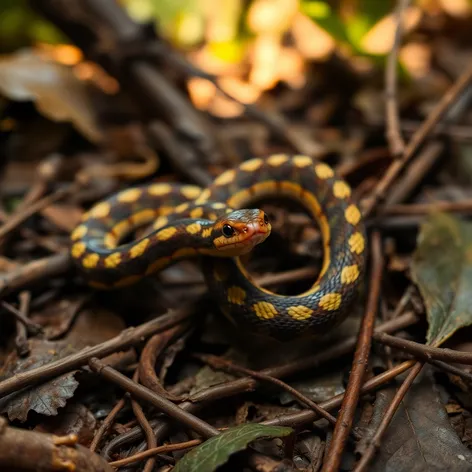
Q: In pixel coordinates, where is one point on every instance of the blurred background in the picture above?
(256, 45)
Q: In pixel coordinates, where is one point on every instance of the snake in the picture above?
(218, 225)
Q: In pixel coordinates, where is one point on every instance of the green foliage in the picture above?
(20, 27)
(442, 269)
(216, 451)
(350, 27)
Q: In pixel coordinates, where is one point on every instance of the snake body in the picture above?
(191, 221)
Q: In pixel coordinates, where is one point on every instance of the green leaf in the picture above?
(442, 269)
(216, 451)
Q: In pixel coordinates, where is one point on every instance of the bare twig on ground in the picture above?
(417, 139)
(374, 443)
(359, 364)
(394, 136)
(74, 361)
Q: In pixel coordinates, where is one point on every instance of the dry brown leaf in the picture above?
(56, 91)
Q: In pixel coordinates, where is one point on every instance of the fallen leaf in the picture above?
(45, 398)
(442, 269)
(76, 419)
(216, 451)
(420, 437)
(56, 91)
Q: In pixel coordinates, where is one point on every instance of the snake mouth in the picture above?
(254, 233)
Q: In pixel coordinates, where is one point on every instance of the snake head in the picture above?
(240, 231)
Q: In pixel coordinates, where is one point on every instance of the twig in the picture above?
(147, 429)
(359, 364)
(374, 443)
(418, 169)
(420, 135)
(451, 369)
(394, 136)
(32, 328)
(125, 339)
(218, 363)
(107, 423)
(15, 220)
(161, 403)
(33, 272)
(21, 339)
(423, 351)
(154, 451)
(462, 206)
(303, 417)
(149, 355)
(249, 384)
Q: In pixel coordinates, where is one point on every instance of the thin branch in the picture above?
(359, 363)
(74, 361)
(394, 136)
(161, 403)
(418, 138)
(218, 363)
(423, 351)
(374, 443)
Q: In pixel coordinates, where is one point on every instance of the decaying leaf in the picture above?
(420, 437)
(442, 269)
(56, 91)
(45, 398)
(216, 451)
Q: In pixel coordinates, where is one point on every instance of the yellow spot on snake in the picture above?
(251, 165)
(193, 228)
(129, 196)
(159, 189)
(90, 261)
(191, 192)
(158, 265)
(166, 233)
(239, 198)
(181, 208)
(79, 232)
(352, 214)
(330, 301)
(357, 243)
(225, 177)
(218, 205)
(324, 171)
(206, 232)
(100, 211)
(349, 274)
(113, 260)
(341, 189)
(160, 222)
(143, 216)
(204, 196)
(236, 295)
(78, 249)
(264, 310)
(302, 161)
(277, 160)
(121, 228)
(139, 248)
(196, 213)
(299, 312)
(109, 240)
(212, 216)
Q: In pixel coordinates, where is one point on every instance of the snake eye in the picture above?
(266, 219)
(227, 231)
